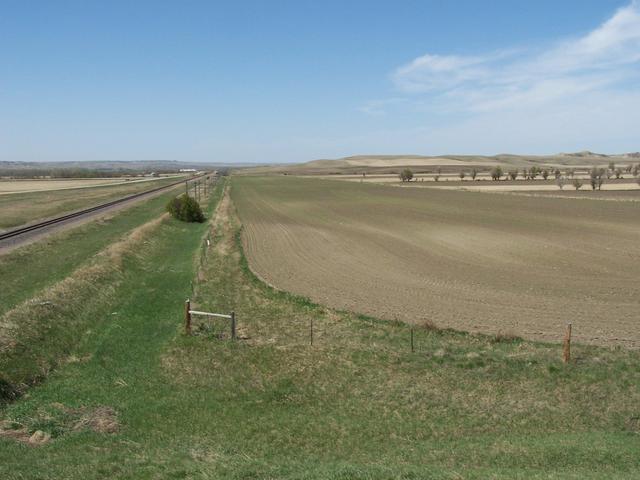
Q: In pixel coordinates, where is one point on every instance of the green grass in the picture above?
(38, 265)
(358, 404)
(20, 208)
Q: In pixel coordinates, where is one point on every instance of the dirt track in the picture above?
(470, 261)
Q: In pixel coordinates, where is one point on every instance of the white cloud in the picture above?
(605, 59)
(432, 72)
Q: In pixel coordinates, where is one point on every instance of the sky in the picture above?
(291, 81)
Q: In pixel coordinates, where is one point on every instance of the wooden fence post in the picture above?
(187, 317)
(566, 353)
(411, 339)
(233, 325)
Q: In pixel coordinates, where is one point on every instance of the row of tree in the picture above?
(496, 173)
(596, 179)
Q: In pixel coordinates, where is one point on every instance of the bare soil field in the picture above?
(483, 181)
(528, 186)
(478, 262)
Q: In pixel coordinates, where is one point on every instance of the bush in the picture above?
(185, 208)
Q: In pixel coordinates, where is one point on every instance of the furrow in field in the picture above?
(464, 260)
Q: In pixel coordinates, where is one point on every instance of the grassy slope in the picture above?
(357, 404)
(38, 265)
(20, 208)
(117, 364)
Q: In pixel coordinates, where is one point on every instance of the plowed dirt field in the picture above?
(471, 261)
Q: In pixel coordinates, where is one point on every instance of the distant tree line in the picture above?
(32, 173)
(597, 175)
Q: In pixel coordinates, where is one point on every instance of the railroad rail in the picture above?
(53, 221)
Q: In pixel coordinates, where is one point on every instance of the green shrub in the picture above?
(185, 208)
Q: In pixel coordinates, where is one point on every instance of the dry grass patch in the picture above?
(57, 419)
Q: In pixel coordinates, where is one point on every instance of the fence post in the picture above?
(566, 353)
(411, 339)
(233, 325)
(187, 317)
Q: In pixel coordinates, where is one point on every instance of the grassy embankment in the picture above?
(34, 267)
(43, 333)
(142, 401)
(20, 208)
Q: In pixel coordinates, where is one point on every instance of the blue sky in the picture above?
(276, 81)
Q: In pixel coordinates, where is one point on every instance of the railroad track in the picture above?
(53, 221)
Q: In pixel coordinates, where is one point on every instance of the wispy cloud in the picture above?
(380, 107)
(605, 59)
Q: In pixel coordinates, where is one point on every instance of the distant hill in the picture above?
(584, 154)
(419, 163)
(115, 165)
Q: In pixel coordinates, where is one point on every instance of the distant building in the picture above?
(186, 170)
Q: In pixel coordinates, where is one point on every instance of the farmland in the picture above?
(45, 185)
(320, 240)
(47, 200)
(469, 261)
(135, 398)
(483, 182)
